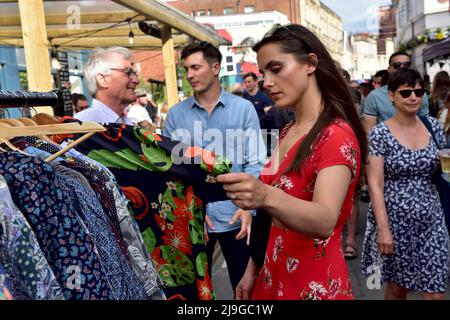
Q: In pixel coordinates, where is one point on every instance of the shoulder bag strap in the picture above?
(430, 129)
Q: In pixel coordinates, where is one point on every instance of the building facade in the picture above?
(362, 59)
(195, 8)
(421, 25)
(243, 30)
(313, 14)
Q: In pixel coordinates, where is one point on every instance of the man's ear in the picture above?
(311, 63)
(101, 80)
(216, 68)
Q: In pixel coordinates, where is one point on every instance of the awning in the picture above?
(38, 25)
(436, 50)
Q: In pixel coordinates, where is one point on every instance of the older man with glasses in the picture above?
(377, 106)
(111, 79)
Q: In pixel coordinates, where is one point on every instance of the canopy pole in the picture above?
(35, 42)
(170, 71)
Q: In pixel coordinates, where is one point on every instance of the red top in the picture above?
(297, 266)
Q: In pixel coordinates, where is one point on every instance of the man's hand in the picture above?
(246, 224)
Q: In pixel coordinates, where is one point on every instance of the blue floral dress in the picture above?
(421, 242)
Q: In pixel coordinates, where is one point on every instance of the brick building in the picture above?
(291, 8)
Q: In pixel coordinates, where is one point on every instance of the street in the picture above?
(223, 290)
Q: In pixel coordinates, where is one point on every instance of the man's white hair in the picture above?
(99, 62)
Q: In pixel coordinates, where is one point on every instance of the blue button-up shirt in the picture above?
(101, 113)
(231, 130)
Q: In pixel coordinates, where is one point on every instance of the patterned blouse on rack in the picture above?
(117, 210)
(5, 293)
(21, 256)
(67, 246)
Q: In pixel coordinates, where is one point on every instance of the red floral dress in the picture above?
(297, 266)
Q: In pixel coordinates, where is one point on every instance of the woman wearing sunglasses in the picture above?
(308, 185)
(406, 240)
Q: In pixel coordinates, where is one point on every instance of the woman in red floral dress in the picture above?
(309, 183)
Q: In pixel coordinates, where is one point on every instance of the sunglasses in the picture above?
(128, 71)
(275, 27)
(278, 26)
(397, 65)
(407, 92)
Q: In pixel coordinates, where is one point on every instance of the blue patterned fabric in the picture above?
(123, 281)
(5, 284)
(67, 246)
(20, 254)
(111, 197)
(421, 242)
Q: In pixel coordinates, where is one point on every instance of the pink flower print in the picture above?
(286, 183)
(280, 290)
(267, 278)
(317, 290)
(291, 264)
(277, 248)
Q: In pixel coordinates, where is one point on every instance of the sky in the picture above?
(357, 15)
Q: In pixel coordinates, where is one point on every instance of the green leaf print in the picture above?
(123, 159)
(200, 263)
(149, 239)
(182, 270)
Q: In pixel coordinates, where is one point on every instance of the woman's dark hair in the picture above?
(441, 87)
(336, 98)
(405, 76)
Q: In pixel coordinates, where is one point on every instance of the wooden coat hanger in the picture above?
(90, 128)
(7, 123)
(12, 122)
(30, 122)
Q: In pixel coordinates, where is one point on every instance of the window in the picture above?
(228, 10)
(249, 9)
(201, 13)
(229, 59)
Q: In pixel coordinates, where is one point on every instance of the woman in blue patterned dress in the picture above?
(406, 239)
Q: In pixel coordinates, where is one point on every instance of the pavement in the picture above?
(362, 288)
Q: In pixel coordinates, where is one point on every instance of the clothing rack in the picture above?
(21, 98)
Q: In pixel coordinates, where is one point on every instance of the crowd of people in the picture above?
(297, 183)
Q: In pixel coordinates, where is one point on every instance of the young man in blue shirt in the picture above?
(260, 100)
(227, 125)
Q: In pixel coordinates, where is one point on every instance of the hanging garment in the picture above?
(5, 283)
(166, 200)
(107, 192)
(21, 256)
(66, 244)
(123, 282)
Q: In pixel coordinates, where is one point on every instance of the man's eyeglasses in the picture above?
(128, 71)
(407, 92)
(397, 65)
